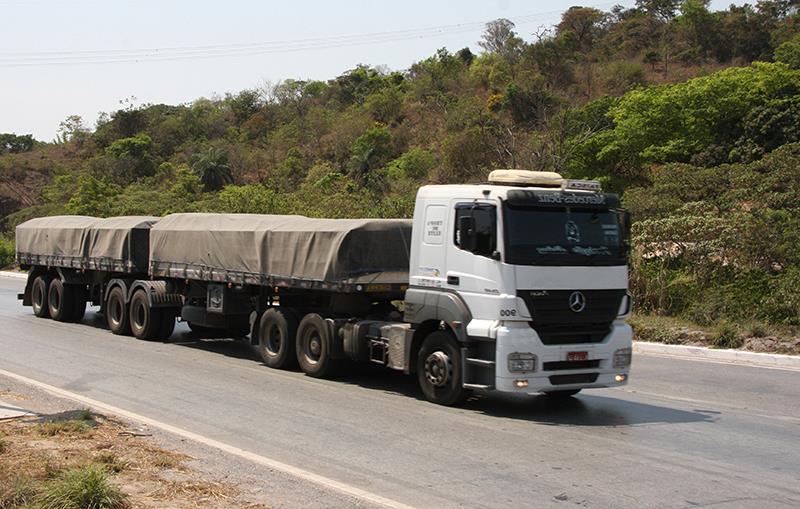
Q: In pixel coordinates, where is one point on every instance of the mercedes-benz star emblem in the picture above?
(577, 302)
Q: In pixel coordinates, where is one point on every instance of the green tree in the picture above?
(499, 37)
(369, 152)
(789, 53)
(93, 196)
(15, 144)
(211, 165)
(649, 127)
(72, 128)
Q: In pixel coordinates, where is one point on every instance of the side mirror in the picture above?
(626, 222)
(626, 232)
(467, 238)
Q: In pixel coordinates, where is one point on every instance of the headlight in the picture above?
(521, 362)
(622, 358)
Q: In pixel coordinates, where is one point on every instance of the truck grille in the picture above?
(557, 323)
(564, 365)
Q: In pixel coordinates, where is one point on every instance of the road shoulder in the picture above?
(699, 353)
(254, 485)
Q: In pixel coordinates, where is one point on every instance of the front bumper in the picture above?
(519, 337)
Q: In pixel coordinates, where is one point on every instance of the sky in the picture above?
(83, 57)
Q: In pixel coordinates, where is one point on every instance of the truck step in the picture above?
(478, 386)
(480, 362)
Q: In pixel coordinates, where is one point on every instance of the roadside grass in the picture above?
(111, 462)
(750, 335)
(727, 335)
(82, 460)
(77, 422)
(18, 492)
(85, 487)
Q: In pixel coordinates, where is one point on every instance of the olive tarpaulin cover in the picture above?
(261, 248)
(119, 243)
(116, 243)
(54, 239)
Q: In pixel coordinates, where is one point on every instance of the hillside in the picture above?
(694, 116)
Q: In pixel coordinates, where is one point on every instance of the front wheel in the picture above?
(439, 370)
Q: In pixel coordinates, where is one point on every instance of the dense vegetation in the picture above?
(694, 116)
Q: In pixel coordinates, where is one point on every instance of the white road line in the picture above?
(305, 475)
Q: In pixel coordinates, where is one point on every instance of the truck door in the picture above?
(473, 262)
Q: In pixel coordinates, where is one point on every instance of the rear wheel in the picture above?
(439, 370)
(276, 338)
(80, 295)
(59, 301)
(117, 312)
(313, 346)
(167, 325)
(39, 296)
(145, 321)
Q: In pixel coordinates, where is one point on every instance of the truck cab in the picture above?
(528, 274)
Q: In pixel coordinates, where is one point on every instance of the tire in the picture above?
(439, 370)
(39, 289)
(116, 310)
(60, 301)
(562, 394)
(145, 321)
(79, 298)
(167, 325)
(277, 333)
(313, 347)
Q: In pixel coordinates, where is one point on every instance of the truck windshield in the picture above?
(564, 236)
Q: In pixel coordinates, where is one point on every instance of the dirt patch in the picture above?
(40, 454)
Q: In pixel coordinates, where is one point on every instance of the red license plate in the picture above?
(577, 356)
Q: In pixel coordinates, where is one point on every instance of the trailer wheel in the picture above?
(39, 297)
(117, 312)
(145, 321)
(313, 346)
(60, 302)
(80, 296)
(167, 325)
(277, 331)
(439, 370)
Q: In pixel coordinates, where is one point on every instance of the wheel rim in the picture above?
(274, 340)
(438, 369)
(312, 347)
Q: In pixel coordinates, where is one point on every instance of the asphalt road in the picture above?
(682, 434)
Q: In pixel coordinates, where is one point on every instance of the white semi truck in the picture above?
(518, 285)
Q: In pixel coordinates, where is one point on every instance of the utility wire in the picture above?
(113, 56)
